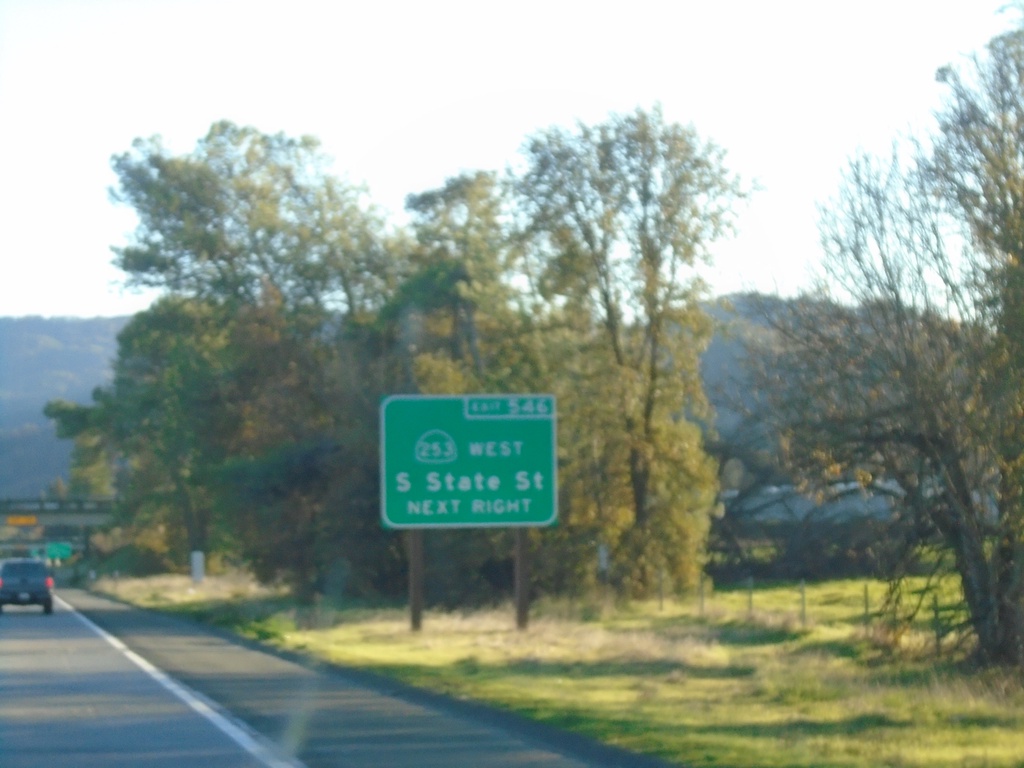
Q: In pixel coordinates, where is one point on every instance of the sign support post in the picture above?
(522, 580)
(415, 543)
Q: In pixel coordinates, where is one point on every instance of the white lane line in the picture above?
(234, 729)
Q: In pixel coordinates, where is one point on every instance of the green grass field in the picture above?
(762, 677)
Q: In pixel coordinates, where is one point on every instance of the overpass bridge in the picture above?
(29, 525)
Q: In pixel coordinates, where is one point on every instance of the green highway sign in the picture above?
(58, 550)
(467, 461)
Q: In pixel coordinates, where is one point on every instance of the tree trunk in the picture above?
(1009, 586)
(194, 520)
(639, 477)
(993, 595)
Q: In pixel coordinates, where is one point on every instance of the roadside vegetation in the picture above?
(767, 676)
(869, 428)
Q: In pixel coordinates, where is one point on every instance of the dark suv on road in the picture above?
(26, 581)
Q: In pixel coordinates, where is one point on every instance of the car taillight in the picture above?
(49, 582)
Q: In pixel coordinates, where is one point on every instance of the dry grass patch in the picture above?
(179, 589)
(726, 686)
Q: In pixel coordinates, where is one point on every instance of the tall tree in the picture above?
(623, 213)
(244, 210)
(92, 467)
(300, 483)
(913, 385)
(167, 414)
(287, 267)
(460, 292)
(979, 170)
(978, 167)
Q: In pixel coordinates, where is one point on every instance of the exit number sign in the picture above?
(468, 461)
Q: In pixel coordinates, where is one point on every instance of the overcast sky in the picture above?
(406, 94)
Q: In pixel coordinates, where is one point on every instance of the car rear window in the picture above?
(23, 570)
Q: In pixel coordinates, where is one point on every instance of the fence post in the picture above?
(750, 598)
(803, 603)
(867, 607)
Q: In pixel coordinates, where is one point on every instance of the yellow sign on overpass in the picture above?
(22, 520)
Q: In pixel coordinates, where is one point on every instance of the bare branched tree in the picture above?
(905, 372)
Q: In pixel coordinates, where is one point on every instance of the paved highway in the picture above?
(70, 696)
(114, 686)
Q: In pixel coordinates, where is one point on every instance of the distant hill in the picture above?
(742, 328)
(45, 359)
(42, 359)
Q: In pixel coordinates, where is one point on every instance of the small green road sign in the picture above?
(59, 550)
(467, 461)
